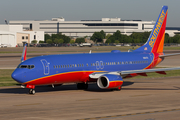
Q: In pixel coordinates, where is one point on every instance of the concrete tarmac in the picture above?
(149, 99)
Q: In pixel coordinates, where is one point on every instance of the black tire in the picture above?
(32, 91)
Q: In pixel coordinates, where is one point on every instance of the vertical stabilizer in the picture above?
(155, 41)
(23, 58)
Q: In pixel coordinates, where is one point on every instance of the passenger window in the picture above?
(87, 64)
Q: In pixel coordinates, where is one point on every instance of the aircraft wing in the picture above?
(96, 75)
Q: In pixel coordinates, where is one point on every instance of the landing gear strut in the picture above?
(32, 91)
(82, 86)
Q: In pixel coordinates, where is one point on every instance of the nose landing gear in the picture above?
(31, 90)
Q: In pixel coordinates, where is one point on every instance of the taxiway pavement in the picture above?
(149, 99)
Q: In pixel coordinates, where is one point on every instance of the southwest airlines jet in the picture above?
(107, 69)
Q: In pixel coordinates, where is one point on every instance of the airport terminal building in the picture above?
(83, 28)
(86, 27)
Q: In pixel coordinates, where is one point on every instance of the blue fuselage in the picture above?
(53, 65)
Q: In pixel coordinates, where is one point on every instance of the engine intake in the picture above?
(108, 81)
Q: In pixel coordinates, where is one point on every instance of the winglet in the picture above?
(23, 58)
(155, 42)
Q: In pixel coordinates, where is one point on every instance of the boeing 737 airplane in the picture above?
(107, 69)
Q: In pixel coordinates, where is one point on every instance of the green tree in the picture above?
(49, 41)
(97, 37)
(117, 35)
(80, 40)
(57, 41)
(176, 38)
(34, 41)
(107, 36)
(108, 41)
(116, 41)
(72, 41)
(47, 36)
(103, 34)
(41, 41)
(61, 41)
(166, 39)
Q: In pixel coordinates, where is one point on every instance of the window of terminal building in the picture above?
(26, 37)
(23, 37)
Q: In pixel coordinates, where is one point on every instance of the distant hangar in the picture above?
(14, 35)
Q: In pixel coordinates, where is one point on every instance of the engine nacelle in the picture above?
(109, 81)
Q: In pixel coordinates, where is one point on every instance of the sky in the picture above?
(76, 10)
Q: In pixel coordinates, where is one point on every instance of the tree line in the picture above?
(116, 37)
(135, 37)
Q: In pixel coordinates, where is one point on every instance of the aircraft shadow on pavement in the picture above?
(92, 88)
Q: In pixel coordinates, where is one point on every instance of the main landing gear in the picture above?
(32, 91)
(82, 86)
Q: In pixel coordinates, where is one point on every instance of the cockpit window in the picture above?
(26, 66)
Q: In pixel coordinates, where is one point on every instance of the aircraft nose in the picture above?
(17, 76)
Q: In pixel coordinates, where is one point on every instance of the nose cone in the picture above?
(17, 76)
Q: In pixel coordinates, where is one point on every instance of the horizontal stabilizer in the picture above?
(168, 55)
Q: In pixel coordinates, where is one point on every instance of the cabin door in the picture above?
(45, 66)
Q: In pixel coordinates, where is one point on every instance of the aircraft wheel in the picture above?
(32, 91)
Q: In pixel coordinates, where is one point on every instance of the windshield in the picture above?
(26, 66)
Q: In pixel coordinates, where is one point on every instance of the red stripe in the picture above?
(70, 77)
(160, 35)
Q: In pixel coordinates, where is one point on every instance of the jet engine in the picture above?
(108, 81)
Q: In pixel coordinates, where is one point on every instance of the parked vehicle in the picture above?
(85, 44)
